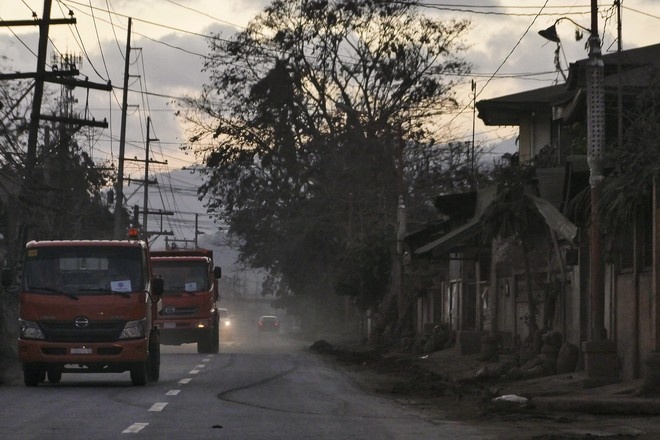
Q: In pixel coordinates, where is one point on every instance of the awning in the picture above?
(452, 239)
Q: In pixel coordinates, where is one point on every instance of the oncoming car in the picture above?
(268, 323)
(226, 329)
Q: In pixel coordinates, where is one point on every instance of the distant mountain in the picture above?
(493, 152)
(176, 196)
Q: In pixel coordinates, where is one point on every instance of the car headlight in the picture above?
(133, 329)
(30, 330)
(227, 323)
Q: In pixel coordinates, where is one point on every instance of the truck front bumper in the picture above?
(184, 331)
(125, 351)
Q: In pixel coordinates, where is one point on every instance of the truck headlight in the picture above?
(133, 329)
(30, 330)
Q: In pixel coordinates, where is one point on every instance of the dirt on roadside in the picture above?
(405, 378)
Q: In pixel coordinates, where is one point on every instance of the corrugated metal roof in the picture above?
(455, 237)
(554, 218)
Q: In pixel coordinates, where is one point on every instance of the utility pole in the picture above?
(145, 205)
(119, 199)
(600, 352)
(41, 76)
(474, 116)
(401, 223)
(44, 27)
(196, 230)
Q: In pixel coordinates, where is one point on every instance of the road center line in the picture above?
(193, 371)
(185, 381)
(200, 366)
(172, 392)
(134, 428)
(158, 406)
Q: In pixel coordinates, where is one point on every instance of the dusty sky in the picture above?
(168, 38)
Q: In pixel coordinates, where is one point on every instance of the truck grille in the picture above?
(178, 311)
(95, 331)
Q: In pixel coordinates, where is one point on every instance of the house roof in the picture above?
(452, 239)
(455, 205)
(555, 219)
(636, 66)
(465, 233)
(474, 202)
(507, 110)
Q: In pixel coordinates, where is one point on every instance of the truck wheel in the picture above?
(32, 375)
(203, 345)
(215, 339)
(209, 342)
(139, 374)
(54, 375)
(153, 362)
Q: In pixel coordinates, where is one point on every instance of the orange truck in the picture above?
(190, 295)
(88, 306)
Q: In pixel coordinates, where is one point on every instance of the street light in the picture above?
(551, 32)
(598, 351)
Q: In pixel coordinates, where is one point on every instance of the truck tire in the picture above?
(215, 339)
(153, 361)
(54, 375)
(203, 344)
(209, 342)
(32, 375)
(139, 374)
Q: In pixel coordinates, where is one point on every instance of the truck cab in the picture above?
(88, 306)
(190, 294)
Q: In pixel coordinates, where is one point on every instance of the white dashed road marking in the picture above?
(158, 406)
(134, 428)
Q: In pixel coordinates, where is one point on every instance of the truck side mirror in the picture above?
(217, 272)
(6, 277)
(157, 286)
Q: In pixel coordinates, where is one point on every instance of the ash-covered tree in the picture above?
(62, 196)
(303, 127)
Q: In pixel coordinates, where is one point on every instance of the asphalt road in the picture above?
(260, 386)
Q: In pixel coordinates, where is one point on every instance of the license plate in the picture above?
(81, 350)
(169, 324)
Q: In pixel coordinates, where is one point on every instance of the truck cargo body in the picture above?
(88, 306)
(189, 313)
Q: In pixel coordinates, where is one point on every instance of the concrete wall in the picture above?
(633, 324)
(571, 302)
(627, 325)
(646, 318)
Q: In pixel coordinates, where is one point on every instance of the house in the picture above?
(551, 122)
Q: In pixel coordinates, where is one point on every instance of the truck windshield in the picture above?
(182, 276)
(82, 270)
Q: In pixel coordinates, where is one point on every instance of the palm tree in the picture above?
(513, 215)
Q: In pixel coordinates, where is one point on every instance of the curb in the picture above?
(599, 405)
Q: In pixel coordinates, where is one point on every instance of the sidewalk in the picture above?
(563, 393)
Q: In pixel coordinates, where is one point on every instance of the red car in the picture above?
(268, 324)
